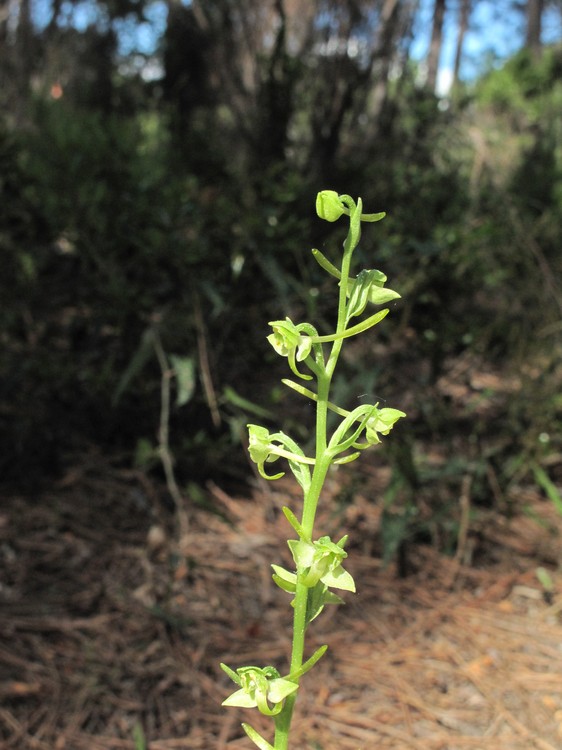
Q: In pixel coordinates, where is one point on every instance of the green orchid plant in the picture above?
(318, 564)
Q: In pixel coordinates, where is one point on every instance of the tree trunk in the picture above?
(391, 54)
(534, 26)
(275, 95)
(18, 61)
(464, 15)
(436, 42)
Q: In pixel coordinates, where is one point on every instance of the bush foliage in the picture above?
(112, 225)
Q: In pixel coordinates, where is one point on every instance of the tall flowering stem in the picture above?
(318, 564)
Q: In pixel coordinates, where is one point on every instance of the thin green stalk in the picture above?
(342, 307)
(322, 462)
(283, 720)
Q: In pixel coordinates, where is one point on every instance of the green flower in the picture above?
(288, 341)
(260, 448)
(265, 447)
(368, 287)
(383, 421)
(259, 688)
(321, 561)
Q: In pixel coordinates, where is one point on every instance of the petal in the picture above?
(326, 545)
(285, 580)
(304, 348)
(339, 579)
(378, 296)
(385, 420)
(241, 699)
(278, 344)
(259, 443)
(285, 575)
(285, 336)
(303, 553)
(280, 689)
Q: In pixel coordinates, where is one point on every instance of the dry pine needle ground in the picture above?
(108, 630)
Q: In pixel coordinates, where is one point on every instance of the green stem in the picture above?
(283, 724)
(283, 719)
(323, 461)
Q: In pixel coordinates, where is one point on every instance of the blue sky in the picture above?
(489, 37)
(495, 33)
(135, 37)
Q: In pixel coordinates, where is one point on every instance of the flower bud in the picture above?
(329, 205)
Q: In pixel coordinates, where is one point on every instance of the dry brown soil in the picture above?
(111, 631)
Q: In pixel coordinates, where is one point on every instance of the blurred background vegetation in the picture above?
(158, 167)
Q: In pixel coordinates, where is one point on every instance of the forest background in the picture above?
(158, 168)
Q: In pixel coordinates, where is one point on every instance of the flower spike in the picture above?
(318, 566)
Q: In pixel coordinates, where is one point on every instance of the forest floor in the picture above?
(111, 634)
